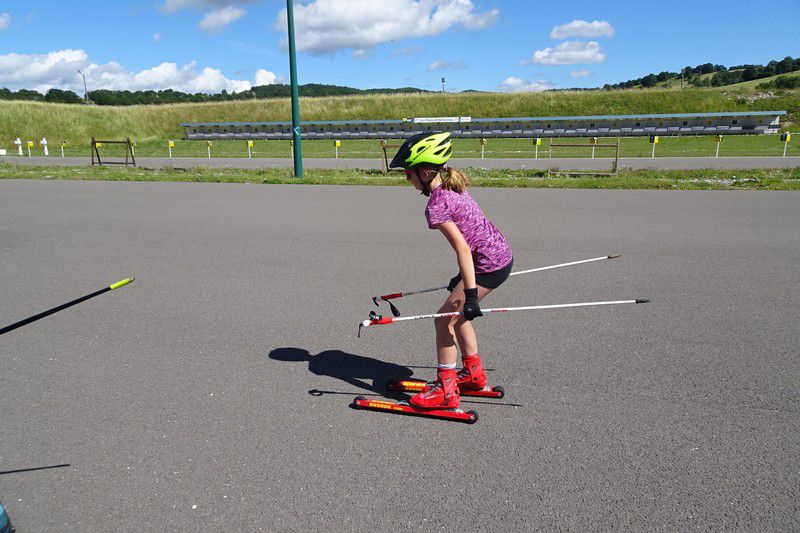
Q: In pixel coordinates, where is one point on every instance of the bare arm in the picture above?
(463, 253)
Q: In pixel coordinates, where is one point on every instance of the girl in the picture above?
(484, 263)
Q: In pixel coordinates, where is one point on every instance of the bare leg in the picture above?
(451, 328)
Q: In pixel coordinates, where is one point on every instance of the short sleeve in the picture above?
(437, 213)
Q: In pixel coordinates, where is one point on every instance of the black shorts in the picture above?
(492, 280)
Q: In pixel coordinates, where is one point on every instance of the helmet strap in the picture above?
(426, 185)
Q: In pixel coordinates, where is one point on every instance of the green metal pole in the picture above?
(298, 150)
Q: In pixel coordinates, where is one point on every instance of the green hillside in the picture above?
(753, 84)
(77, 123)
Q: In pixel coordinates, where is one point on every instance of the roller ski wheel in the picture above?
(402, 408)
(419, 385)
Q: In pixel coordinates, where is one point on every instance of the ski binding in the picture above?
(418, 385)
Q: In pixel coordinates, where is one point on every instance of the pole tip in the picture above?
(613, 256)
(121, 283)
(642, 301)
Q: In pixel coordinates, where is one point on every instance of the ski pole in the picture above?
(378, 320)
(49, 312)
(396, 312)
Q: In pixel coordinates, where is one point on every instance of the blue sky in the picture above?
(512, 45)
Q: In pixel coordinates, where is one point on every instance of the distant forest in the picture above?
(710, 75)
(168, 96)
(706, 75)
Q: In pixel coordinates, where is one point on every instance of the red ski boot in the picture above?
(472, 376)
(443, 395)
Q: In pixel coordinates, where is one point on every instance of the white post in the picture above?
(536, 152)
(18, 142)
(29, 148)
(785, 146)
(717, 153)
(483, 151)
(592, 151)
(133, 150)
(43, 142)
(336, 149)
(169, 148)
(249, 152)
(62, 150)
(654, 151)
(208, 147)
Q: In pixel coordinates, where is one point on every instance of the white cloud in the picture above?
(580, 73)
(568, 53)
(60, 69)
(215, 20)
(157, 37)
(5, 20)
(265, 77)
(581, 28)
(362, 53)
(447, 65)
(517, 85)
(324, 26)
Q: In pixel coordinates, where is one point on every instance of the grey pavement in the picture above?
(664, 163)
(182, 401)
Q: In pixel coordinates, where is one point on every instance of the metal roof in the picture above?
(507, 119)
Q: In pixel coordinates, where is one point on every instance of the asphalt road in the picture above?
(181, 402)
(665, 163)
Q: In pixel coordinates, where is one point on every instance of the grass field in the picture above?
(781, 179)
(151, 126)
(690, 146)
(752, 84)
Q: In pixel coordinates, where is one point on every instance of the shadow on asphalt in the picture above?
(363, 372)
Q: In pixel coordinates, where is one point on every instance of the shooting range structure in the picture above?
(667, 124)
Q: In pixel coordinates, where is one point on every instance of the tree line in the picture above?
(710, 75)
(169, 96)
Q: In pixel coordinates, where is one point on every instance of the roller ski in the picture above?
(440, 399)
(471, 381)
(403, 408)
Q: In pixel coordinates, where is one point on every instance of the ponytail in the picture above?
(454, 180)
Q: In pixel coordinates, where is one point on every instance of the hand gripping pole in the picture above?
(378, 320)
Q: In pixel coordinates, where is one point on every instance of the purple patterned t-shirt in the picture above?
(490, 251)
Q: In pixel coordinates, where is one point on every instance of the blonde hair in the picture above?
(454, 180)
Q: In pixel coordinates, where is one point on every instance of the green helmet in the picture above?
(432, 148)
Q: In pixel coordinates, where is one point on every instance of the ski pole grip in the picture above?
(392, 296)
(381, 321)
